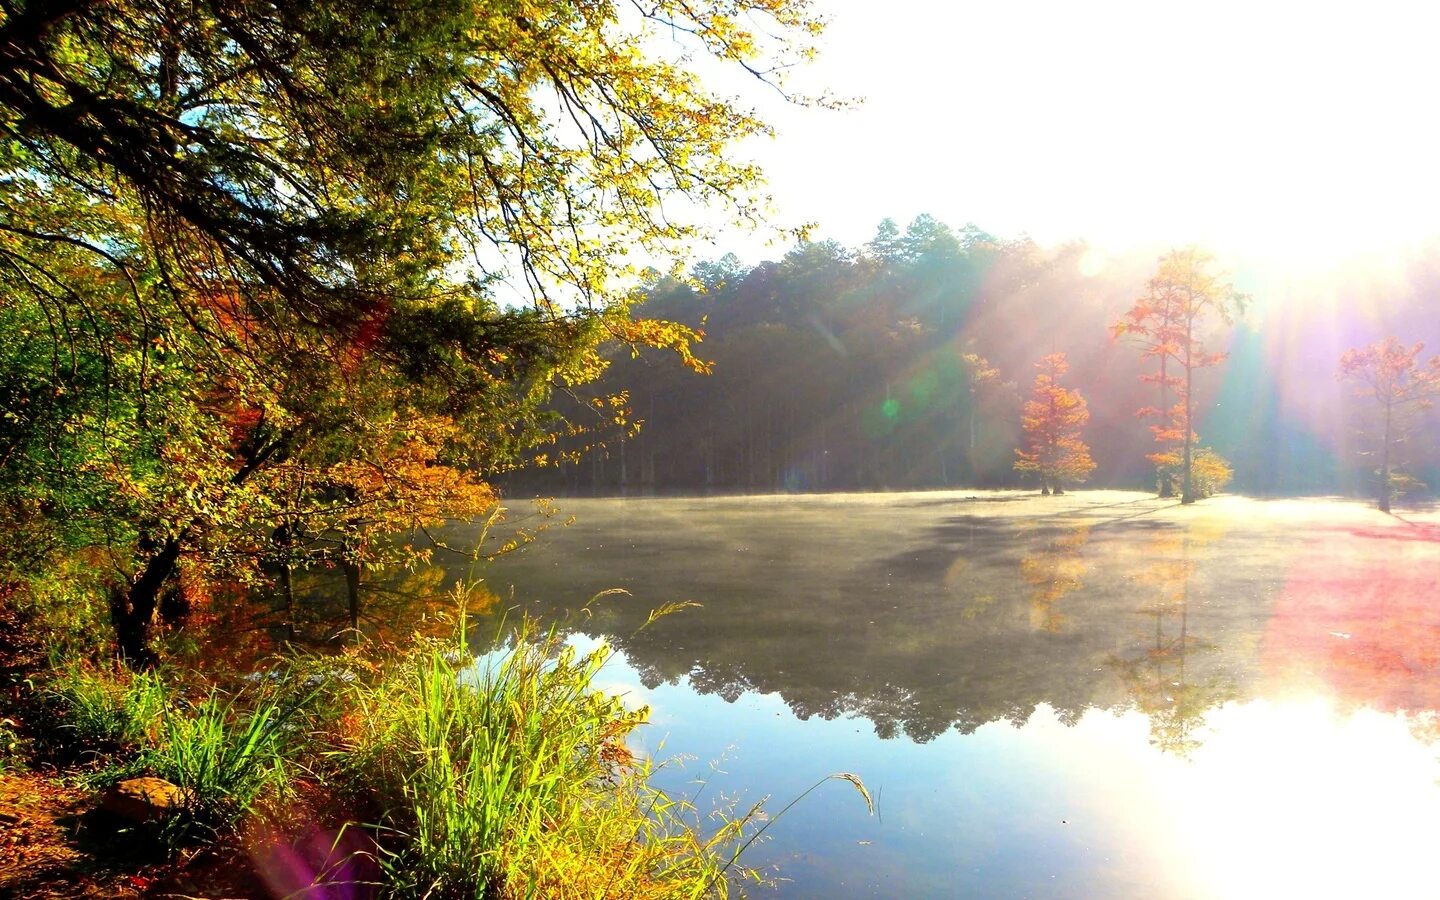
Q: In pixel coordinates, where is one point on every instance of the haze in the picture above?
(1284, 137)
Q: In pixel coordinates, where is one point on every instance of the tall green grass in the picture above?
(99, 710)
(504, 777)
(510, 778)
(225, 757)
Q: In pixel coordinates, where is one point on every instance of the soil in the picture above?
(54, 840)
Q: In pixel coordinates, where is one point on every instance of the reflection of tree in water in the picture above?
(955, 645)
(396, 604)
(974, 620)
(1156, 677)
(1053, 569)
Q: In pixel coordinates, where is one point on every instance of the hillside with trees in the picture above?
(902, 364)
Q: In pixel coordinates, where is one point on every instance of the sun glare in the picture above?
(1277, 132)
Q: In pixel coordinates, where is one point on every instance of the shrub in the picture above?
(12, 754)
(1209, 472)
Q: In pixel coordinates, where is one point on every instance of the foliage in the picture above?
(1053, 419)
(1398, 387)
(12, 748)
(1168, 324)
(834, 368)
(1209, 471)
(253, 259)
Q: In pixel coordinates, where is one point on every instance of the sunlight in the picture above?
(1262, 131)
(1266, 807)
(1304, 773)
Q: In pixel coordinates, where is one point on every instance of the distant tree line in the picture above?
(902, 364)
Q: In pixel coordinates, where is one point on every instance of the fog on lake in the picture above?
(1102, 694)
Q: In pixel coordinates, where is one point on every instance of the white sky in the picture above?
(1279, 131)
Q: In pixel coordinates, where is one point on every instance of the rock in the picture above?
(142, 799)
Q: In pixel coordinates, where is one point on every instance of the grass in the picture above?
(445, 776)
(509, 777)
(100, 710)
(225, 758)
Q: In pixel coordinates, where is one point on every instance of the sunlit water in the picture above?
(1099, 695)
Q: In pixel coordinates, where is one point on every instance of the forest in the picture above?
(283, 287)
(904, 363)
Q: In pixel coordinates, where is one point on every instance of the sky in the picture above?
(1276, 134)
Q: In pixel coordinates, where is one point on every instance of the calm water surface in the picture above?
(1102, 695)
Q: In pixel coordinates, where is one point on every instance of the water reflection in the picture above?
(1099, 696)
(1053, 569)
(969, 618)
(1156, 676)
(924, 615)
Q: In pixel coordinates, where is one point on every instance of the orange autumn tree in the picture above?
(1390, 374)
(1053, 418)
(1169, 324)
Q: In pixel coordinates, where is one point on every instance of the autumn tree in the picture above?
(1053, 418)
(244, 240)
(1171, 324)
(1391, 378)
(1150, 324)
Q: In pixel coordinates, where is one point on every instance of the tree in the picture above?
(1169, 325)
(245, 241)
(1389, 374)
(982, 386)
(1052, 419)
(1150, 324)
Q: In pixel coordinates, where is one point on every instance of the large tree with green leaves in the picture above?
(253, 253)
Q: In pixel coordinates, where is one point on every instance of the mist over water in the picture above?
(1097, 695)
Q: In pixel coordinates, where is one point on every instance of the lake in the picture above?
(1096, 695)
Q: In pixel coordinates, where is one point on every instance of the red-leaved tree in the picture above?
(1169, 325)
(1053, 418)
(1390, 374)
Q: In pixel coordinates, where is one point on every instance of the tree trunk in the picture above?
(285, 540)
(1187, 493)
(1385, 460)
(352, 595)
(1166, 486)
(132, 611)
